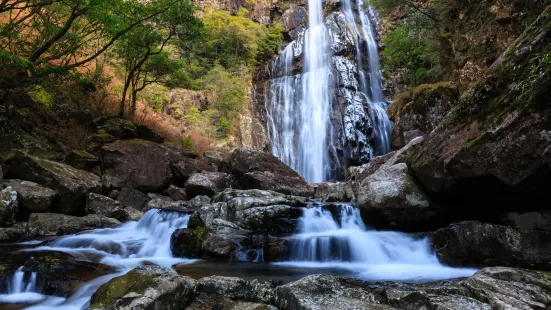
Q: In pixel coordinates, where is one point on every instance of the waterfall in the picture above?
(124, 248)
(342, 241)
(22, 286)
(306, 125)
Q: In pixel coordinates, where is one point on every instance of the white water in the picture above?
(124, 247)
(23, 286)
(345, 243)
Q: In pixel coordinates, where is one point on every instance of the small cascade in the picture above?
(124, 247)
(23, 286)
(341, 241)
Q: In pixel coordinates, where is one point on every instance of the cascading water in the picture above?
(333, 112)
(124, 247)
(22, 286)
(300, 107)
(344, 243)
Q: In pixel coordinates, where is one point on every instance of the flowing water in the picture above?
(299, 105)
(123, 248)
(23, 286)
(342, 241)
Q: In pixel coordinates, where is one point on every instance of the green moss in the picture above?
(199, 234)
(81, 153)
(472, 142)
(24, 112)
(133, 281)
(40, 95)
(139, 142)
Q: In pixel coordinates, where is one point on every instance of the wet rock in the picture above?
(145, 287)
(189, 206)
(324, 292)
(139, 164)
(258, 170)
(71, 184)
(528, 220)
(17, 232)
(82, 160)
(133, 198)
(391, 198)
(107, 207)
(51, 224)
(119, 128)
(94, 142)
(478, 244)
(333, 192)
(508, 288)
(145, 133)
(184, 168)
(238, 289)
(206, 183)
(342, 38)
(32, 196)
(8, 207)
(176, 193)
(187, 242)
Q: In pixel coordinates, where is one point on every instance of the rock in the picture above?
(51, 224)
(145, 287)
(529, 220)
(176, 193)
(189, 206)
(95, 142)
(31, 196)
(258, 170)
(486, 158)
(324, 292)
(183, 169)
(82, 160)
(133, 198)
(8, 207)
(71, 184)
(16, 233)
(508, 288)
(332, 192)
(107, 207)
(478, 244)
(139, 164)
(145, 133)
(391, 198)
(119, 128)
(429, 105)
(206, 183)
(153, 196)
(238, 289)
(186, 242)
(214, 157)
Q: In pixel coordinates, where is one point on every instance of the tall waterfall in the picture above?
(309, 125)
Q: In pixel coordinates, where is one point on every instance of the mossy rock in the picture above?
(40, 95)
(119, 128)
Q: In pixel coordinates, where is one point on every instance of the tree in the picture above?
(142, 48)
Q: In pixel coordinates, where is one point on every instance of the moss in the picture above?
(40, 95)
(102, 132)
(23, 112)
(133, 281)
(139, 142)
(199, 235)
(406, 98)
(472, 142)
(81, 153)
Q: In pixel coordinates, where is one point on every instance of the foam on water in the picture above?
(342, 241)
(124, 247)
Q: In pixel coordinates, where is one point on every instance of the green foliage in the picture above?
(412, 55)
(188, 143)
(40, 95)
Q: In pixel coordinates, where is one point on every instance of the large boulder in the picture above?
(8, 207)
(187, 166)
(206, 184)
(133, 198)
(140, 164)
(493, 154)
(391, 198)
(477, 244)
(51, 224)
(429, 105)
(148, 287)
(107, 207)
(82, 160)
(72, 184)
(146, 133)
(94, 142)
(119, 128)
(259, 170)
(324, 292)
(176, 193)
(32, 196)
(528, 220)
(335, 192)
